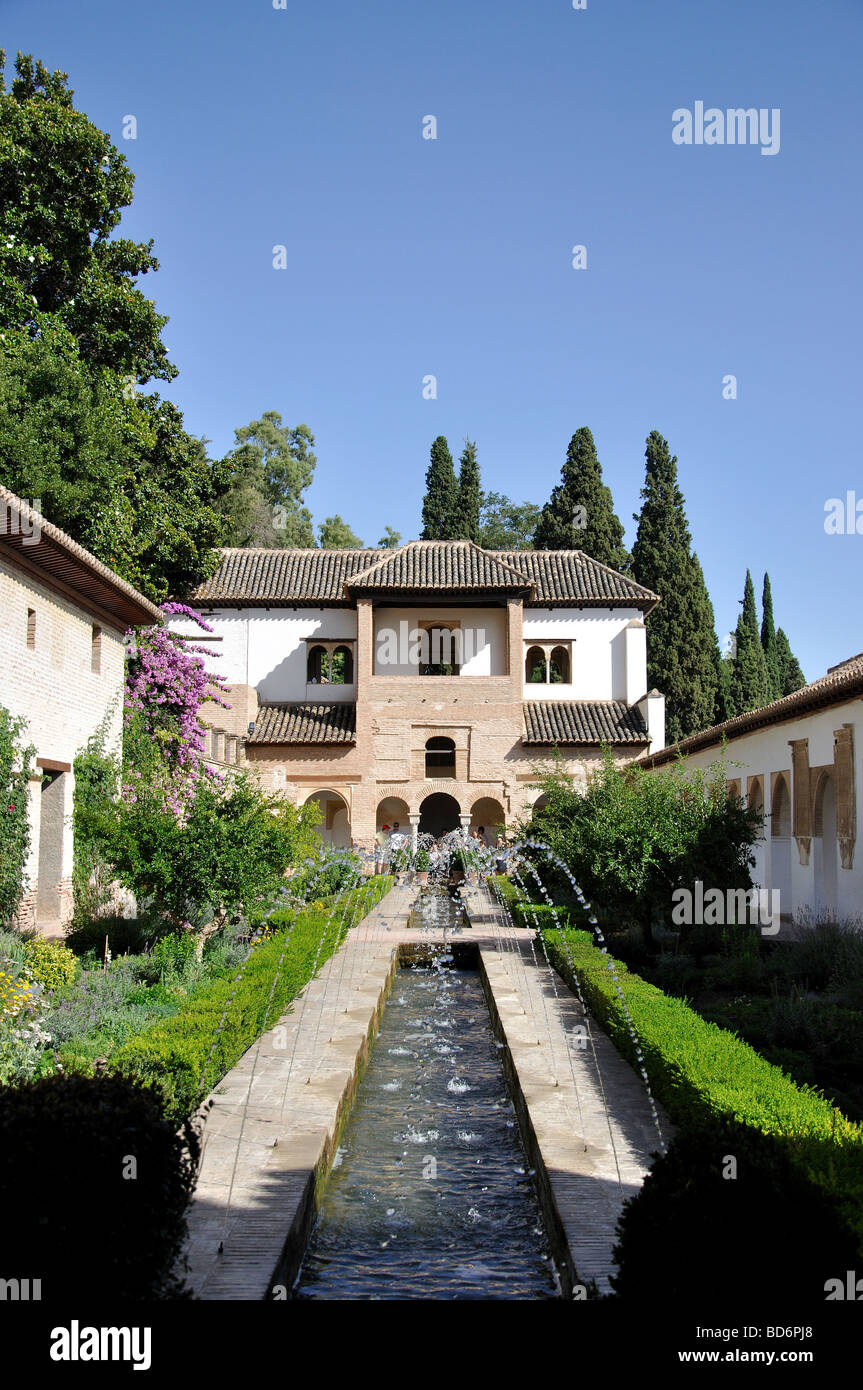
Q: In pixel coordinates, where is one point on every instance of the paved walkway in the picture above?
(276, 1118)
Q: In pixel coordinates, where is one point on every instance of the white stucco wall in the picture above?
(265, 648)
(599, 643)
(765, 751)
(483, 635)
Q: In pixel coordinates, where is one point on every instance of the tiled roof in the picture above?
(453, 566)
(582, 721)
(26, 535)
(305, 724)
(545, 577)
(841, 683)
(284, 576)
(570, 576)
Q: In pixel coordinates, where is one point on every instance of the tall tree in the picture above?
(271, 466)
(336, 534)
(467, 504)
(63, 185)
(580, 514)
(506, 525)
(750, 685)
(682, 648)
(790, 670)
(440, 504)
(390, 540)
(768, 641)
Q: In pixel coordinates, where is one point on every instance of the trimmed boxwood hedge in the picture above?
(700, 1071)
(185, 1056)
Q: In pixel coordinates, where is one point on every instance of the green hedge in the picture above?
(172, 1054)
(699, 1071)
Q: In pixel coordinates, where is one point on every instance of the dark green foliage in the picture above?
(336, 534)
(16, 768)
(185, 1056)
(440, 504)
(682, 649)
(791, 673)
(95, 788)
(270, 468)
(685, 1233)
(631, 837)
(506, 525)
(698, 1071)
(768, 641)
(580, 514)
(87, 1224)
(319, 878)
(390, 540)
(467, 503)
(750, 686)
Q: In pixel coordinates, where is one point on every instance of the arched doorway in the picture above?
(439, 813)
(756, 803)
(488, 813)
(540, 803)
(335, 826)
(780, 845)
(825, 847)
(390, 810)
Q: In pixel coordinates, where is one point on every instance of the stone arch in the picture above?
(335, 828)
(535, 659)
(390, 809)
(826, 846)
(559, 666)
(487, 812)
(439, 813)
(780, 843)
(317, 665)
(780, 818)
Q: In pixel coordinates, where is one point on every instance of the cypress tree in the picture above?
(441, 497)
(790, 670)
(750, 685)
(768, 640)
(580, 514)
(682, 650)
(467, 524)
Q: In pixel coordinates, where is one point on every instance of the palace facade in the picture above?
(423, 685)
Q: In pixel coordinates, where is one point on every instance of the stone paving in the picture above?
(275, 1121)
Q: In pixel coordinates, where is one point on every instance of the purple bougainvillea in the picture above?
(167, 681)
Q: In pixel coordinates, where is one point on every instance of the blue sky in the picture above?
(302, 127)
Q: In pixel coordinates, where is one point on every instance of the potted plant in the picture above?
(458, 865)
(421, 865)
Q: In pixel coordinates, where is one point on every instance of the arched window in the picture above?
(534, 666)
(559, 666)
(440, 757)
(342, 666)
(780, 819)
(318, 666)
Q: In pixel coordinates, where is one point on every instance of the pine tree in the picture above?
(790, 671)
(750, 684)
(580, 514)
(467, 507)
(682, 650)
(441, 499)
(768, 640)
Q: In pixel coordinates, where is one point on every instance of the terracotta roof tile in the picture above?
(582, 721)
(284, 576)
(570, 576)
(453, 566)
(305, 724)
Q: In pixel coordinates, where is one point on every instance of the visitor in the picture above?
(481, 835)
(397, 836)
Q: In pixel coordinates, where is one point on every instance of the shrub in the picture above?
(107, 1179)
(762, 1234)
(50, 963)
(698, 1070)
(185, 1056)
(319, 878)
(125, 935)
(16, 769)
(632, 837)
(421, 860)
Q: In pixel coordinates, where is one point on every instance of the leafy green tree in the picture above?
(336, 534)
(580, 514)
(768, 641)
(17, 760)
(631, 837)
(790, 669)
(750, 688)
(506, 525)
(390, 540)
(682, 648)
(271, 466)
(467, 505)
(63, 185)
(440, 503)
